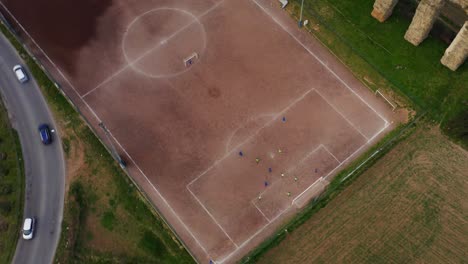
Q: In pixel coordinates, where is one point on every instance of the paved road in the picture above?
(44, 165)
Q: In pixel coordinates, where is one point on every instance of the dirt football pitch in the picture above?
(230, 117)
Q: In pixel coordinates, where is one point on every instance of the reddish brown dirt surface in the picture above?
(181, 128)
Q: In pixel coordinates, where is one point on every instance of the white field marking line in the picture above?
(306, 157)
(344, 117)
(254, 204)
(329, 152)
(319, 180)
(317, 58)
(162, 197)
(297, 100)
(118, 143)
(388, 101)
(359, 149)
(212, 217)
(378, 133)
(112, 76)
(160, 44)
(252, 118)
(251, 237)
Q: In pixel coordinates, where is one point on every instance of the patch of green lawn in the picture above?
(11, 188)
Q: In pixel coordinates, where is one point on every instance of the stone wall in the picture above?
(423, 20)
(383, 9)
(457, 52)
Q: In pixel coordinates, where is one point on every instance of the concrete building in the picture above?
(426, 14)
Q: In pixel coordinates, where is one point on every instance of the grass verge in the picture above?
(106, 219)
(11, 188)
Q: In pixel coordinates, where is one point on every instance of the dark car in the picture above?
(44, 132)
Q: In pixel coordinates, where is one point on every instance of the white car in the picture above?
(28, 228)
(20, 73)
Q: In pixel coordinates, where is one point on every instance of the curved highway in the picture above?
(44, 164)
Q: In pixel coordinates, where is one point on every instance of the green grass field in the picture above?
(410, 207)
(11, 188)
(378, 54)
(106, 219)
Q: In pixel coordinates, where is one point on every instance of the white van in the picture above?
(20, 74)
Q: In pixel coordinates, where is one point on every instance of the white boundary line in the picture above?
(307, 156)
(316, 57)
(331, 154)
(253, 202)
(160, 195)
(212, 217)
(378, 133)
(336, 110)
(247, 121)
(388, 101)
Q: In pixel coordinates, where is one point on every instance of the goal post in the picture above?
(377, 93)
(190, 60)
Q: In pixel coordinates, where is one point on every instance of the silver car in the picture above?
(28, 228)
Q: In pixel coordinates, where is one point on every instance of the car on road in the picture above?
(28, 228)
(44, 132)
(20, 73)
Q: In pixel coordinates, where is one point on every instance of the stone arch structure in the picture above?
(423, 20)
